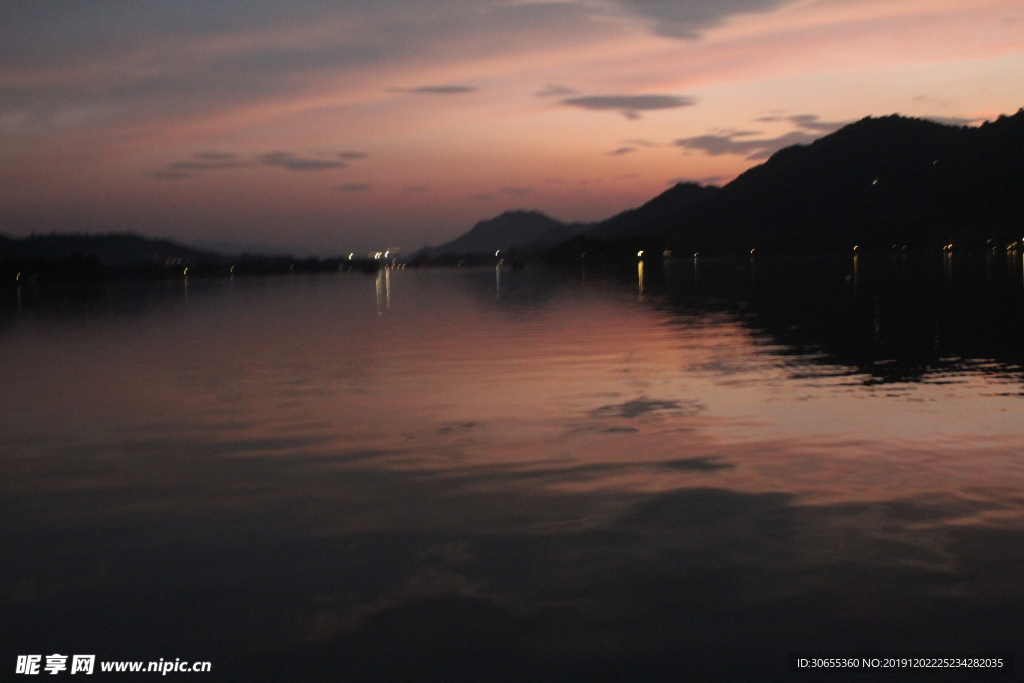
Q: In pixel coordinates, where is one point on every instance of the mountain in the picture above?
(77, 258)
(118, 250)
(658, 212)
(874, 183)
(510, 230)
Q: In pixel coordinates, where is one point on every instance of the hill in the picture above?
(874, 183)
(511, 230)
(658, 212)
(116, 250)
(78, 258)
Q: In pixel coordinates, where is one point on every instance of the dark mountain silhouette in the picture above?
(116, 250)
(511, 230)
(72, 258)
(660, 211)
(875, 183)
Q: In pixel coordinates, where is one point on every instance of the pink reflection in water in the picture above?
(569, 390)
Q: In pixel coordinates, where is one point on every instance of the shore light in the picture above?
(640, 253)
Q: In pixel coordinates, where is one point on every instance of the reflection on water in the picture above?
(383, 290)
(520, 475)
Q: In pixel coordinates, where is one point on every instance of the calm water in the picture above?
(677, 474)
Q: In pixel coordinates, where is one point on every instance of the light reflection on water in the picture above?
(519, 471)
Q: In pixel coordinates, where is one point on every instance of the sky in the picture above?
(323, 127)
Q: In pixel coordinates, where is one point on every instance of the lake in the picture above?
(682, 470)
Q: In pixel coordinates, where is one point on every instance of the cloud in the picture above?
(716, 145)
(737, 133)
(213, 161)
(772, 115)
(352, 155)
(150, 60)
(946, 120)
(811, 122)
(200, 161)
(740, 142)
(438, 89)
(953, 120)
(353, 187)
(805, 121)
(621, 151)
(641, 142)
(482, 197)
(414, 189)
(290, 161)
(686, 19)
(706, 180)
(119, 63)
(630, 106)
(555, 91)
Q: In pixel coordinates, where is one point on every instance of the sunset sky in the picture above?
(326, 127)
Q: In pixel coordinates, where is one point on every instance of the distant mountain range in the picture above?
(876, 183)
(112, 250)
(512, 230)
(873, 183)
(76, 258)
